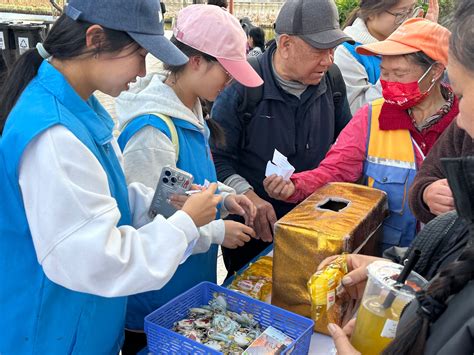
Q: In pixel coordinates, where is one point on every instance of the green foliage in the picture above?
(446, 8)
(345, 7)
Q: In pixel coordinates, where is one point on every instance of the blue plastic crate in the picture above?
(162, 340)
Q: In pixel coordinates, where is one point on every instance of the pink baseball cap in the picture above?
(214, 31)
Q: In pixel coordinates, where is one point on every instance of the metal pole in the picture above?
(231, 6)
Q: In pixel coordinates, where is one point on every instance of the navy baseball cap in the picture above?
(141, 19)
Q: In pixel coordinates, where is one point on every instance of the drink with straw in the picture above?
(382, 304)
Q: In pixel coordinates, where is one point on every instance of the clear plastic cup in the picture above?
(382, 305)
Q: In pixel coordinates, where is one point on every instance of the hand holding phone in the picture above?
(173, 181)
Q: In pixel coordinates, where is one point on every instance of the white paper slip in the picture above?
(272, 169)
(279, 159)
(279, 166)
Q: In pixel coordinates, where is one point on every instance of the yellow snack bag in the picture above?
(326, 307)
(256, 281)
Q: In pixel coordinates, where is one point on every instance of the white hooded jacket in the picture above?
(149, 150)
(359, 90)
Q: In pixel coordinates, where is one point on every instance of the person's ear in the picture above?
(285, 42)
(438, 71)
(95, 38)
(196, 62)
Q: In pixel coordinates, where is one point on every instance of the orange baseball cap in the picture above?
(414, 35)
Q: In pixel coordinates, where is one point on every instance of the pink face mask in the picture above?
(405, 95)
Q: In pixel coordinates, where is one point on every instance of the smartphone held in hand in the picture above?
(173, 181)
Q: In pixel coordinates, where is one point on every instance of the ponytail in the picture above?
(452, 279)
(216, 131)
(65, 41)
(353, 15)
(19, 76)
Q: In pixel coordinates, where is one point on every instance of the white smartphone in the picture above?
(173, 181)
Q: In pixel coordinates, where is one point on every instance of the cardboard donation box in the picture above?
(339, 217)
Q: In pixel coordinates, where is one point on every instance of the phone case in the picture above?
(172, 181)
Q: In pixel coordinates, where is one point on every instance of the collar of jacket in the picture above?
(392, 118)
(272, 91)
(359, 32)
(90, 112)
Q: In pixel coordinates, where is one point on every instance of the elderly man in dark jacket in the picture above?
(300, 111)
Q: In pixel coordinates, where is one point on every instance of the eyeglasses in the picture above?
(400, 17)
(229, 77)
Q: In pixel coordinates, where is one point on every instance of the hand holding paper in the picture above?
(279, 166)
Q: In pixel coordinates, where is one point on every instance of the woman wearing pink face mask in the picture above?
(387, 140)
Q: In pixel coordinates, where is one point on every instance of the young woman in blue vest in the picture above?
(162, 103)
(370, 22)
(75, 239)
(386, 141)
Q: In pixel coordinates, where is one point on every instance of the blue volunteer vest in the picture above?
(371, 63)
(195, 158)
(390, 166)
(37, 315)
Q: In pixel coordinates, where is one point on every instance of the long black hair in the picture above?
(65, 41)
(216, 131)
(454, 277)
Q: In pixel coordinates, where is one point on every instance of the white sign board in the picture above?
(23, 44)
(2, 41)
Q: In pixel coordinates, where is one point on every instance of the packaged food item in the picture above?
(215, 326)
(271, 341)
(323, 287)
(256, 281)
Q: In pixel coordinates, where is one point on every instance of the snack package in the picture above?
(271, 341)
(256, 281)
(323, 287)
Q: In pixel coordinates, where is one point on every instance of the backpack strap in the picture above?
(153, 120)
(251, 97)
(172, 128)
(433, 238)
(337, 84)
